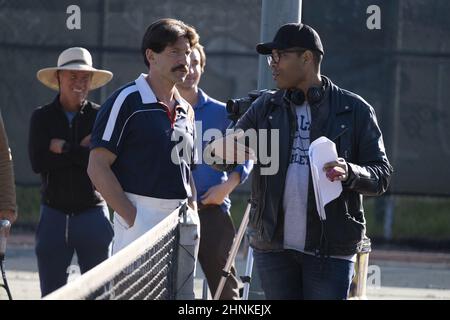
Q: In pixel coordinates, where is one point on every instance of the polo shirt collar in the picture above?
(148, 96)
(202, 99)
(145, 91)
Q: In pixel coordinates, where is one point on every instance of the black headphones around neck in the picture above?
(314, 95)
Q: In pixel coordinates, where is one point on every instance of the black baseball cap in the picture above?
(293, 35)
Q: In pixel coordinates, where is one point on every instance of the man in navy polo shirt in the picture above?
(133, 138)
(213, 187)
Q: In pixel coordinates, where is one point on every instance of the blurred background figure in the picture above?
(8, 209)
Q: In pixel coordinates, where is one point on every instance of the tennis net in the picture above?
(147, 269)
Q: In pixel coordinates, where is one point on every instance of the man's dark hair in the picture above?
(164, 32)
(317, 57)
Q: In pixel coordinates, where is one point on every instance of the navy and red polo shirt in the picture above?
(146, 137)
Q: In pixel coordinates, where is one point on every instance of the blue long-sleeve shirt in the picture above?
(212, 114)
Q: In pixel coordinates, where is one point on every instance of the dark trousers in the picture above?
(292, 275)
(59, 235)
(216, 238)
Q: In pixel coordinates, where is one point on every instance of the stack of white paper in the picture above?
(321, 151)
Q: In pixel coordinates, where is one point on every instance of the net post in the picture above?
(189, 242)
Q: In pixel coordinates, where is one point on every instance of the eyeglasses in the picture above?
(275, 57)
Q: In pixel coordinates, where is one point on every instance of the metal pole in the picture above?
(389, 202)
(5, 226)
(189, 241)
(104, 27)
(233, 253)
(5, 281)
(205, 290)
(248, 273)
(286, 11)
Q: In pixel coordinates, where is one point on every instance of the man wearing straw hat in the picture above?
(74, 216)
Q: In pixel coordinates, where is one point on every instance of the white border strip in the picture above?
(115, 111)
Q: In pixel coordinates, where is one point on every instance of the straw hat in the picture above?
(75, 59)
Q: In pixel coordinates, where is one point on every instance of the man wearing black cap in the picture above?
(298, 255)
